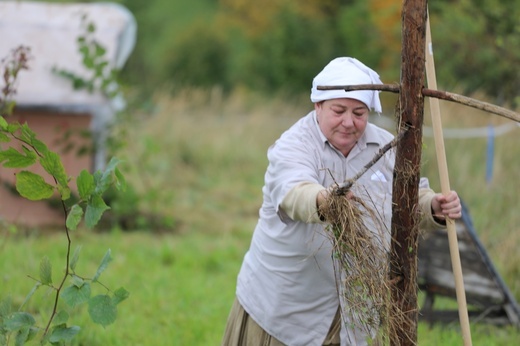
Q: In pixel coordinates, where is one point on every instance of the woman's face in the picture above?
(342, 121)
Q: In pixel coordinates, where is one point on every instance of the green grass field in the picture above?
(203, 155)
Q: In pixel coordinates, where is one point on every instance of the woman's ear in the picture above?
(318, 105)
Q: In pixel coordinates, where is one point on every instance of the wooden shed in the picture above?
(488, 297)
(48, 102)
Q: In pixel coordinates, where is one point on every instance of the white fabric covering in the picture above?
(347, 71)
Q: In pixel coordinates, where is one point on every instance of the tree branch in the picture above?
(343, 189)
(442, 95)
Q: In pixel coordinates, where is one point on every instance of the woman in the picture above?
(287, 292)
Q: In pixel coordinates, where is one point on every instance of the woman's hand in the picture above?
(447, 206)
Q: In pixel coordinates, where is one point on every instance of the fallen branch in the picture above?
(442, 95)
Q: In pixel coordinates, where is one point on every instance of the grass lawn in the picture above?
(181, 287)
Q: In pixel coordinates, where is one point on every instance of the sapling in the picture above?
(25, 150)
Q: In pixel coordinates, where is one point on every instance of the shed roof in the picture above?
(51, 31)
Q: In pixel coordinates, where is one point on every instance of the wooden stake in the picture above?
(404, 311)
(445, 188)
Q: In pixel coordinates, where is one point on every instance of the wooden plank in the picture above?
(485, 290)
(435, 269)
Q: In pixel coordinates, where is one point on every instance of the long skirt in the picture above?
(242, 330)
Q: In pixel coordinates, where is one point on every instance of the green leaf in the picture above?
(74, 295)
(61, 318)
(100, 68)
(99, 50)
(3, 123)
(32, 186)
(18, 321)
(30, 294)
(88, 61)
(9, 106)
(15, 159)
(5, 307)
(80, 84)
(91, 27)
(112, 164)
(104, 263)
(27, 134)
(102, 310)
(39, 146)
(13, 127)
(62, 334)
(74, 217)
(97, 177)
(77, 281)
(119, 295)
(85, 183)
(46, 271)
(95, 208)
(107, 177)
(33, 331)
(4, 138)
(52, 164)
(75, 257)
(120, 180)
(22, 336)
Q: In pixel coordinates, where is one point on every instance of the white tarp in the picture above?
(51, 31)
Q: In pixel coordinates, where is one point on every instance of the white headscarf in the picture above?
(347, 71)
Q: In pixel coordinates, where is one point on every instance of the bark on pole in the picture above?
(405, 217)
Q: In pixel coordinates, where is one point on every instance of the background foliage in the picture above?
(275, 45)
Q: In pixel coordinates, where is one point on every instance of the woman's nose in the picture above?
(347, 120)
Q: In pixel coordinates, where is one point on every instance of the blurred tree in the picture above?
(287, 55)
(359, 36)
(255, 17)
(302, 38)
(159, 27)
(199, 57)
(386, 16)
(477, 47)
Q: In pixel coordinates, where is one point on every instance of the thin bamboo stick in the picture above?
(445, 188)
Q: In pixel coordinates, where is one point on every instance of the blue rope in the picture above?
(490, 153)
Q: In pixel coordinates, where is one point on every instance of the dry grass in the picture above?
(361, 255)
(204, 154)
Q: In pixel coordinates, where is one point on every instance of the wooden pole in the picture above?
(405, 219)
(445, 188)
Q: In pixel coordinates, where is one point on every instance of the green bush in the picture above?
(290, 54)
(476, 45)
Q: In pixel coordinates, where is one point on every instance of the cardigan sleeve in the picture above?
(299, 203)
